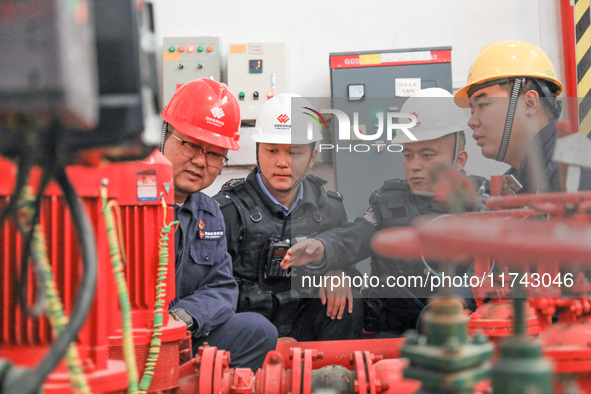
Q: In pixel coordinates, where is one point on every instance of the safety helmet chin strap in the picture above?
(163, 136)
(296, 184)
(509, 121)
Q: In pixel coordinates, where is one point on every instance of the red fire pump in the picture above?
(143, 191)
(26, 339)
(142, 216)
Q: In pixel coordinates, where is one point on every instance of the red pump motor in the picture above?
(138, 188)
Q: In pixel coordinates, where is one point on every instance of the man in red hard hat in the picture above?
(201, 123)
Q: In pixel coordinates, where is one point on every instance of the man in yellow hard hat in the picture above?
(512, 92)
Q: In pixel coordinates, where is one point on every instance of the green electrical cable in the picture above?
(53, 303)
(159, 305)
(128, 346)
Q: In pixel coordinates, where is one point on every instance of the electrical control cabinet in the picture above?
(256, 73)
(187, 58)
(370, 84)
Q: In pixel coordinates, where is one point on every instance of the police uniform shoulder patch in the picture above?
(223, 199)
(317, 179)
(370, 216)
(334, 194)
(232, 183)
(396, 184)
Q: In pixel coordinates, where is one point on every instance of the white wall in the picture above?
(313, 29)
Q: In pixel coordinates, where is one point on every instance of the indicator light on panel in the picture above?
(209, 48)
(270, 94)
(171, 49)
(241, 96)
(200, 48)
(181, 49)
(190, 49)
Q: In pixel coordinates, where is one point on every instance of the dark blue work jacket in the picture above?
(204, 284)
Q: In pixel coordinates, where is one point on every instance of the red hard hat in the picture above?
(206, 110)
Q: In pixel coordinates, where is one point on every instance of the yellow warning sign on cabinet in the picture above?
(372, 58)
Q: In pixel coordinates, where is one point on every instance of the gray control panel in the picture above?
(187, 58)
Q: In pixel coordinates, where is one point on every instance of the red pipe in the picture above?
(555, 201)
(364, 373)
(338, 352)
(570, 67)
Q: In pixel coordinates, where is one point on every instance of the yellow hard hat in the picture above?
(507, 59)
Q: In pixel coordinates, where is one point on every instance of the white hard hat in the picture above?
(275, 119)
(437, 115)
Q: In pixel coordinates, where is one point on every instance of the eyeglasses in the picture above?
(192, 151)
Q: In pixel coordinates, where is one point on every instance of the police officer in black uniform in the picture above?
(278, 205)
(390, 311)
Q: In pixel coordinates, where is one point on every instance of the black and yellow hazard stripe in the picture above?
(583, 49)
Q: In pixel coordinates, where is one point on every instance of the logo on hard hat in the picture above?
(283, 118)
(217, 112)
(416, 117)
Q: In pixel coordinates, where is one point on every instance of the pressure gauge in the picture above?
(356, 92)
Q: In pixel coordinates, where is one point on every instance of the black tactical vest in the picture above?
(274, 299)
(396, 206)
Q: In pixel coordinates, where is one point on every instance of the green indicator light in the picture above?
(200, 49)
(241, 95)
(171, 49)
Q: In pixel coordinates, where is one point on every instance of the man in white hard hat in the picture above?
(277, 205)
(441, 140)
